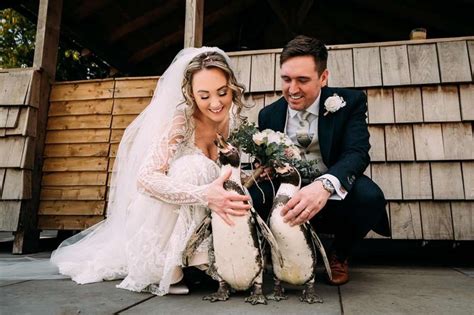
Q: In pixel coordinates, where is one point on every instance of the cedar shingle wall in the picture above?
(18, 111)
(420, 113)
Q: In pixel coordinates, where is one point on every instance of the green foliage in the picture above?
(17, 40)
(269, 147)
(17, 44)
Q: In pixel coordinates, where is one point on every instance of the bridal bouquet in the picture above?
(269, 147)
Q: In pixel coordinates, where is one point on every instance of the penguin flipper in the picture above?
(268, 235)
(319, 245)
(200, 234)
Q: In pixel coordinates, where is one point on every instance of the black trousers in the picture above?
(349, 220)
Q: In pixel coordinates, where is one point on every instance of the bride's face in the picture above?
(212, 95)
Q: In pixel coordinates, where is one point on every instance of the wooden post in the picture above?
(193, 27)
(46, 51)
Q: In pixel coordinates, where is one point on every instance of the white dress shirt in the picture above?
(312, 152)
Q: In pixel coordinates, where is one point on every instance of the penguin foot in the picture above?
(309, 296)
(222, 293)
(278, 294)
(257, 296)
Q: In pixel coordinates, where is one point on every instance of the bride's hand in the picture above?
(224, 202)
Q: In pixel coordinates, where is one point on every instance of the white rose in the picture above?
(258, 138)
(274, 138)
(333, 104)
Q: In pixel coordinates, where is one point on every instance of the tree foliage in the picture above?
(17, 44)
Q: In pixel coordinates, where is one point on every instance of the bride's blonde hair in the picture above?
(209, 60)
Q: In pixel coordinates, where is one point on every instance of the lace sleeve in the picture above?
(153, 179)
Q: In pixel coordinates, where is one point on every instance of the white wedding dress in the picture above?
(166, 211)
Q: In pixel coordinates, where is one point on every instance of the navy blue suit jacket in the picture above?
(343, 135)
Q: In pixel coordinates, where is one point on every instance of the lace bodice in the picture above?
(153, 179)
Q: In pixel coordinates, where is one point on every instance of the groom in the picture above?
(329, 126)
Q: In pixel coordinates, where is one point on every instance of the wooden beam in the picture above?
(46, 49)
(47, 36)
(143, 20)
(193, 26)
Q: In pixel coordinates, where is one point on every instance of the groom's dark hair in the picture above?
(303, 45)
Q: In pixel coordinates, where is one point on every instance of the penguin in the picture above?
(236, 257)
(297, 244)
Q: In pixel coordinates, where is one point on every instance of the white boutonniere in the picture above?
(333, 104)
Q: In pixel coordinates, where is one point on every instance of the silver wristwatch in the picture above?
(327, 185)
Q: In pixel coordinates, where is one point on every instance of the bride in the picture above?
(165, 179)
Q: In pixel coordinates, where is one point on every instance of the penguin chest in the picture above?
(298, 256)
(236, 251)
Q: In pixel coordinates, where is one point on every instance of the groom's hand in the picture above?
(224, 202)
(305, 204)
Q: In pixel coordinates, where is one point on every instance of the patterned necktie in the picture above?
(303, 135)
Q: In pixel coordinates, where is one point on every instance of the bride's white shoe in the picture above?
(178, 289)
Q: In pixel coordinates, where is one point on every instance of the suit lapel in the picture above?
(325, 127)
(278, 121)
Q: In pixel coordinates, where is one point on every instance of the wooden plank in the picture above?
(87, 107)
(367, 69)
(278, 82)
(405, 220)
(458, 141)
(193, 25)
(69, 222)
(340, 66)
(79, 122)
(447, 181)
(82, 91)
(3, 116)
(73, 193)
(395, 70)
(2, 176)
(28, 155)
(256, 101)
(13, 115)
(463, 220)
(468, 177)
(271, 98)
(133, 105)
(470, 47)
(139, 87)
(14, 86)
(377, 143)
(423, 61)
(9, 215)
(454, 62)
(399, 143)
(12, 151)
(34, 92)
(407, 104)
(74, 178)
(428, 142)
(122, 121)
(242, 69)
(387, 176)
(66, 150)
(380, 106)
(66, 207)
(416, 181)
(75, 164)
(466, 92)
(441, 103)
(113, 149)
(111, 165)
(116, 135)
(26, 125)
(78, 136)
(17, 185)
(436, 220)
(262, 77)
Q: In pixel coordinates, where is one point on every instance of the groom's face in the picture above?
(301, 83)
